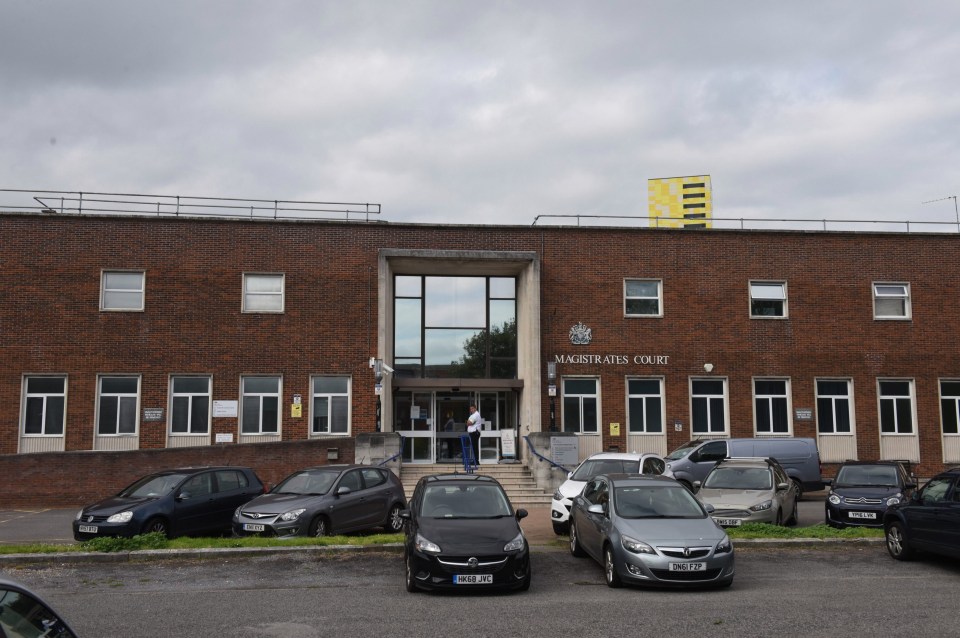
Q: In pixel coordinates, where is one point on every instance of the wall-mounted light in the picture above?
(708, 367)
(552, 372)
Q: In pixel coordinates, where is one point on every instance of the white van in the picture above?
(799, 457)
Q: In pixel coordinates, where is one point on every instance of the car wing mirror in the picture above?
(696, 486)
(183, 496)
(782, 487)
(828, 482)
(710, 508)
(405, 515)
(596, 508)
(521, 514)
(342, 490)
(910, 486)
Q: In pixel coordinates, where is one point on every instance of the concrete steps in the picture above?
(516, 479)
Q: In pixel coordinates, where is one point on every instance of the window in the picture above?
(644, 406)
(641, 298)
(44, 406)
(581, 406)
(262, 292)
(118, 405)
(771, 406)
(230, 480)
(950, 407)
(121, 290)
(331, 405)
(891, 301)
(768, 299)
(261, 405)
(834, 406)
(896, 406)
(190, 405)
(708, 398)
(373, 477)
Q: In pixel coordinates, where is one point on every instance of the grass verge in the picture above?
(765, 530)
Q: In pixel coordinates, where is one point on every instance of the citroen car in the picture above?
(749, 490)
(862, 491)
(463, 534)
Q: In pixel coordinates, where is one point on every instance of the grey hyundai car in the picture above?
(649, 530)
(329, 499)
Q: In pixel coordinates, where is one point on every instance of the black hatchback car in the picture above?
(463, 534)
(173, 502)
(928, 521)
(862, 491)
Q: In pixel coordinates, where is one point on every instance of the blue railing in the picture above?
(395, 456)
(534, 452)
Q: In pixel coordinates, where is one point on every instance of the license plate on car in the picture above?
(728, 522)
(870, 515)
(252, 527)
(473, 579)
(688, 567)
(87, 529)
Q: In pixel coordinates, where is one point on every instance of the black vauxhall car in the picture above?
(928, 521)
(463, 534)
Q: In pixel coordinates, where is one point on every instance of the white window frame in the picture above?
(260, 397)
(580, 401)
(658, 298)
(190, 396)
(897, 399)
(44, 397)
(710, 399)
(886, 291)
(122, 399)
(643, 398)
(766, 291)
(954, 400)
(109, 289)
(330, 412)
(768, 400)
(269, 301)
(833, 399)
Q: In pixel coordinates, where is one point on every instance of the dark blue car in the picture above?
(928, 521)
(863, 490)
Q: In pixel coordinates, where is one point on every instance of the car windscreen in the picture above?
(153, 486)
(656, 502)
(866, 476)
(592, 467)
(739, 478)
(307, 483)
(464, 501)
(682, 451)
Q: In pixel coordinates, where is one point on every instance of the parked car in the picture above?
(462, 533)
(649, 530)
(928, 521)
(749, 490)
(329, 499)
(863, 490)
(24, 614)
(693, 460)
(187, 500)
(601, 463)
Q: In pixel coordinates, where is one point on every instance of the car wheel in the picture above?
(394, 522)
(610, 568)
(409, 580)
(561, 529)
(794, 514)
(897, 543)
(575, 548)
(319, 527)
(799, 487)
(156, 525)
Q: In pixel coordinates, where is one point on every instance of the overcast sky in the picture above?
(490, 112)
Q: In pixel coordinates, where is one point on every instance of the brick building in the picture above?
(125, 333)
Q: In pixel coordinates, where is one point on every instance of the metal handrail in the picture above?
(398, 454)
(533, 451)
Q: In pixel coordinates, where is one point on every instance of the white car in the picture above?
(601, 463)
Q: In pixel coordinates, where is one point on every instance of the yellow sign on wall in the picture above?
(614, 429)
(296, 410)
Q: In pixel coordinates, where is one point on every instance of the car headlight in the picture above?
(122, 517)
(424, 545)
(893, 500)
(634, 546)
(515, 545)
(557, 496)
(759, 507)
(724, 546)
(292, 515)
(834, 499)
(78, 516)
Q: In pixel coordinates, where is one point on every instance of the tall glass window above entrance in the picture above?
(455, 327)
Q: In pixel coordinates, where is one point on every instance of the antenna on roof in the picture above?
(955, 209)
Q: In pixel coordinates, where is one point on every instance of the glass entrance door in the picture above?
(413, 412)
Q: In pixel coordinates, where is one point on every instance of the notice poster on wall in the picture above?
(225, 408)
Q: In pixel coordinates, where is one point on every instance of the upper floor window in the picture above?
(768, 299)
(834, 406)
(190, 405)
(772, 405)
(950, 406)
(642, 298)
(261, 405)
(118, 405)
(708, 398)
(581, 405)
(896, 406)
(262, 292)
(645, 406)
(331, 405)
(891, 301)
(122, 290)
(44, 406)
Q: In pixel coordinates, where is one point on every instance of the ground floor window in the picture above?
(581, 403)
(261, 405)
(117, 405)
(950, 406)
(771, 406)
(645, 406)
(44, 406)
(708, 399)
(190, 405)
(330, 405)
(896, 406)
(834, 406)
